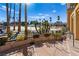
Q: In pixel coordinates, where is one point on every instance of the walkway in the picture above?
(65, 49)
(60, 49)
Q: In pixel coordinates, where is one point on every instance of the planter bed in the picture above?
(36, 36)
(47, 34)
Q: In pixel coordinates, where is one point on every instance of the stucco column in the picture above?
(77, 24)
(68, 18)
(71, 24)
(74, 25)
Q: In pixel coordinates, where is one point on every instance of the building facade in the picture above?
(73, 19)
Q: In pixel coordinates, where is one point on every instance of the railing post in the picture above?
(73, 39)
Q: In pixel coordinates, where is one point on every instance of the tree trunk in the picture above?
(19, 23)
(26, 32)
(8, 19)
(36, 28)
(14, 18)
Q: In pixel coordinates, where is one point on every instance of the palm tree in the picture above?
(10, 11)
(8, 19)
(50, 22)
(25, 52)
(47, 26)
(14, 18)
(58, 18)
(26, 32)
(19, 22)
(50, 19)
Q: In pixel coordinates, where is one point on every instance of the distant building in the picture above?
(73, 19)
(59, 24)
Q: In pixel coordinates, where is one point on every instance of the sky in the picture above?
(36, 11)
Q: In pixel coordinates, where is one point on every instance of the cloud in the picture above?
(38, 17)
(47, 15)
(4, 8)
(43, 17)
(40, 14)
(16, 12)
(63, 3)
(34, 17)
(54, 11)
(12, 10)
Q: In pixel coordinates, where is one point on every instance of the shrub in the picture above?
(3, 40)
(63, 30)
(20, 37)
(58, 36)
(52, 33)
(9, 34)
